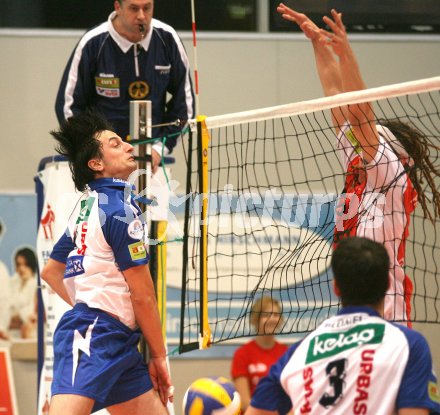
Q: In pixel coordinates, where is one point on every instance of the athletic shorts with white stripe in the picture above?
(104, 363)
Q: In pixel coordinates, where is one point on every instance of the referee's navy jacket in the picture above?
(106, 72)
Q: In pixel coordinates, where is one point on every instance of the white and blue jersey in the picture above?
(106, 72)
(106, 237)
(353, 363)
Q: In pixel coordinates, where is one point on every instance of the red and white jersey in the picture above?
(253, 362)
(353, 363)
(377, 202)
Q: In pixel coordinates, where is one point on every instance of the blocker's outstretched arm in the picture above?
(339, 72)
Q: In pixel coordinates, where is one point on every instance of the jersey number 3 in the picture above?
(335, 371)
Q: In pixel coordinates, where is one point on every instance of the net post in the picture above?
(140, 129)
(203, 143)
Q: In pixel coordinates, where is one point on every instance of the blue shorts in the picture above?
(97, 356)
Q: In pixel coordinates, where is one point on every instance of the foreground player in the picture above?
(100, 267)
(355, 362)
(386, 165)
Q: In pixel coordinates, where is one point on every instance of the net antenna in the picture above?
(196, 70)
(275, 180)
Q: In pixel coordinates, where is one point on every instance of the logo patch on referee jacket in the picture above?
(138, 89)
(163, 69)
(107, 87)
(137, 251)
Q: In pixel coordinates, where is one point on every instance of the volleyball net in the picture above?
(263, 187)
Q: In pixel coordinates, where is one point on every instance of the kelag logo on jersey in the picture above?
(86, 207)
(74, 266)
(329, 344)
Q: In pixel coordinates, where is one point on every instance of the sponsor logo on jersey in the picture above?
(137, 251)
(115, 180)
(74, 266)
(84, 213)
(354, 141)
(329, 344)
(363, 382)
(86, 207)
(135, 229)
(344, 321)
(308, 387)
(434, 392)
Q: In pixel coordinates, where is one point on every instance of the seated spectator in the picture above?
(252, 361)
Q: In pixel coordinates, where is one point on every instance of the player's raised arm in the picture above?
(338, 72)
(326, 64)
(360, 116)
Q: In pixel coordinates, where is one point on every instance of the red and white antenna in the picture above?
(196, 73)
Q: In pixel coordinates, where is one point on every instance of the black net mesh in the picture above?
(274, 188)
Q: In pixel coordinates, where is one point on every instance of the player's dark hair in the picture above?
(29, 257)
(360, 267)
(77, 141)
(418, 145)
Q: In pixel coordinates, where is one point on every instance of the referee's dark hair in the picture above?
(360, 267)
(77, 141)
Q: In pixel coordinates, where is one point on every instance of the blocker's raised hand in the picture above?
(337, 38)
(306, 25)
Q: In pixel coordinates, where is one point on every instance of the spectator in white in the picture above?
(23, 289)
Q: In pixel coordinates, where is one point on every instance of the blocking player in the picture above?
(100, 267)
(387, 164)
(355, 362)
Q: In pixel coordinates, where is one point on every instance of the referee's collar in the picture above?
(359, 309)
(124, 43)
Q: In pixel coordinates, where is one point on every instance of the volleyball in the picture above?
(211, 396)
